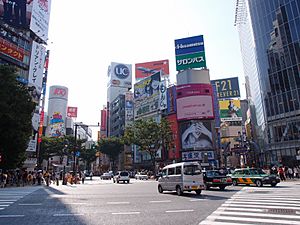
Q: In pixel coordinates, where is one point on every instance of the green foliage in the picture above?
(112, 147)
(15, 118)
(149, 136)
(88, 155)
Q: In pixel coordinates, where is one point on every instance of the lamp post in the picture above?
(75, 149)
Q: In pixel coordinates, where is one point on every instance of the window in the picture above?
(246, 172)
(192, 170)
(171, 171)
(178, 170)
(164, 172)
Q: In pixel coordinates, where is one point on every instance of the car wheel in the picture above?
(258, 183)
(160, 189)
(117, 181)
(222, 188)
(198, 192)
(234, 182)
(178, 190)
(114, 181)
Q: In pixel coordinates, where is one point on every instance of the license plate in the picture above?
(194, 187)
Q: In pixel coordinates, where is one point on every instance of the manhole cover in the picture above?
(282, 211)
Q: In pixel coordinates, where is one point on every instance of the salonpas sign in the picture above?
(188, 61)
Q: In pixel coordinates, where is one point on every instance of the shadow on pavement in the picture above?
(41, 207)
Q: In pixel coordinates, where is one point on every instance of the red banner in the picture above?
(103, 119)
(11, 50)
(72, 112)
(147, 69)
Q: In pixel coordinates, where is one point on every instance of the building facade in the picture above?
(274, 33)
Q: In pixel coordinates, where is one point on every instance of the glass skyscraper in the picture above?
(270, 43)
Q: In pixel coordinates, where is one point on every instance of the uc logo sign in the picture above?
(121, 71)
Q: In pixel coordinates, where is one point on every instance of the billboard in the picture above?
(12, 51)
(196, 135)
(16, 13)
(194, 101)
(72, 111)
(143, 70)
(128, 108)
(190, 53)
(163, 95)
(146, 95)
(120, 75)
(171, 100)
(216, 106)
(39, 22)
(197, 155)
(173, 152)
(189, 45)
(36, 70)
(103, 124)
(189, 61)
(230, 110)
(227, 88)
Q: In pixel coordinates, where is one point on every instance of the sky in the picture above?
(85, 36)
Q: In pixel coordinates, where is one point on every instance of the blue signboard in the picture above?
(216, 106)
(189, 45)
(227, 88)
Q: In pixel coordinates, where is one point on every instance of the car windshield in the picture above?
(123, 174)
(192, 170)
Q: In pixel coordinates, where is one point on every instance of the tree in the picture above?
(149, 136)
(88, 155)
(112, 147)
(15, 118)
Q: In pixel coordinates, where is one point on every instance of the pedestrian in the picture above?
(82, 177)
(91, 175)
(57, 178)
(281, 173)
(290, 173)
(296, 172)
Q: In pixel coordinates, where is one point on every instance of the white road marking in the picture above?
(69, 214)
(125, 213)
(197, 200)
(206, 222)
(260, 206)
(6, 202)
(162, 201)
(266, 198)
(4, 205)
(218, 217)
(10, 200)
(75, 203)
(261, 203)
(116, 203)
(1, 208)
(11, 216)
(180, 210)
(243, 209)
(221, 212)
(30, 204)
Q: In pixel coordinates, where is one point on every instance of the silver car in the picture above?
(121, 176)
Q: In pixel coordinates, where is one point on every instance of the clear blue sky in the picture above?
(86, 35)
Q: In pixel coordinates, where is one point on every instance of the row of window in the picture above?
(285, 132)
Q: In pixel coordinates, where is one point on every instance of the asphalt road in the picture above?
(103, 202)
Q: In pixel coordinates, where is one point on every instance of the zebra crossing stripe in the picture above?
(221, 212)
(260, 206)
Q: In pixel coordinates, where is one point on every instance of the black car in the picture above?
(213, 178)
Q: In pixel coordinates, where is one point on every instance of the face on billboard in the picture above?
(196, 135)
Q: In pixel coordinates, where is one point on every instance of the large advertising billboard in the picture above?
(227, 88)
(40, 18)
(13, 51)
(103, 125)
(196, 135)
(173, 152)
(194, 101)
(36, 70)
(189, 45)
(197, 155)
(143, 70)
(230, 110)
(120, 75)
(146, 95)
(190, 53)
(72, 112)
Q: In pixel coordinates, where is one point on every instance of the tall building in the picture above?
(270, 43)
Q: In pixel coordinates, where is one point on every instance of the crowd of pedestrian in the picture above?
(286, 172)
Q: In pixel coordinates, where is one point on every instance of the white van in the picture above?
(180, 177)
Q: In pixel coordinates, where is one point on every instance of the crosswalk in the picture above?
(9, 196)
(259, 205)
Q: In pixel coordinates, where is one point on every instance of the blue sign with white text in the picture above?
(189, 45)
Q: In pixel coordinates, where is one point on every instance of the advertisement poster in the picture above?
(196, 135)
(120, 75)
(143, 70)
(194, 101)
(40, 18)
(36, 71)
(171, 100)
(72, 112)
(57, 125)
(146, 95)
(230, 110)
(128, 108)
(163, 95)
(227, 88)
